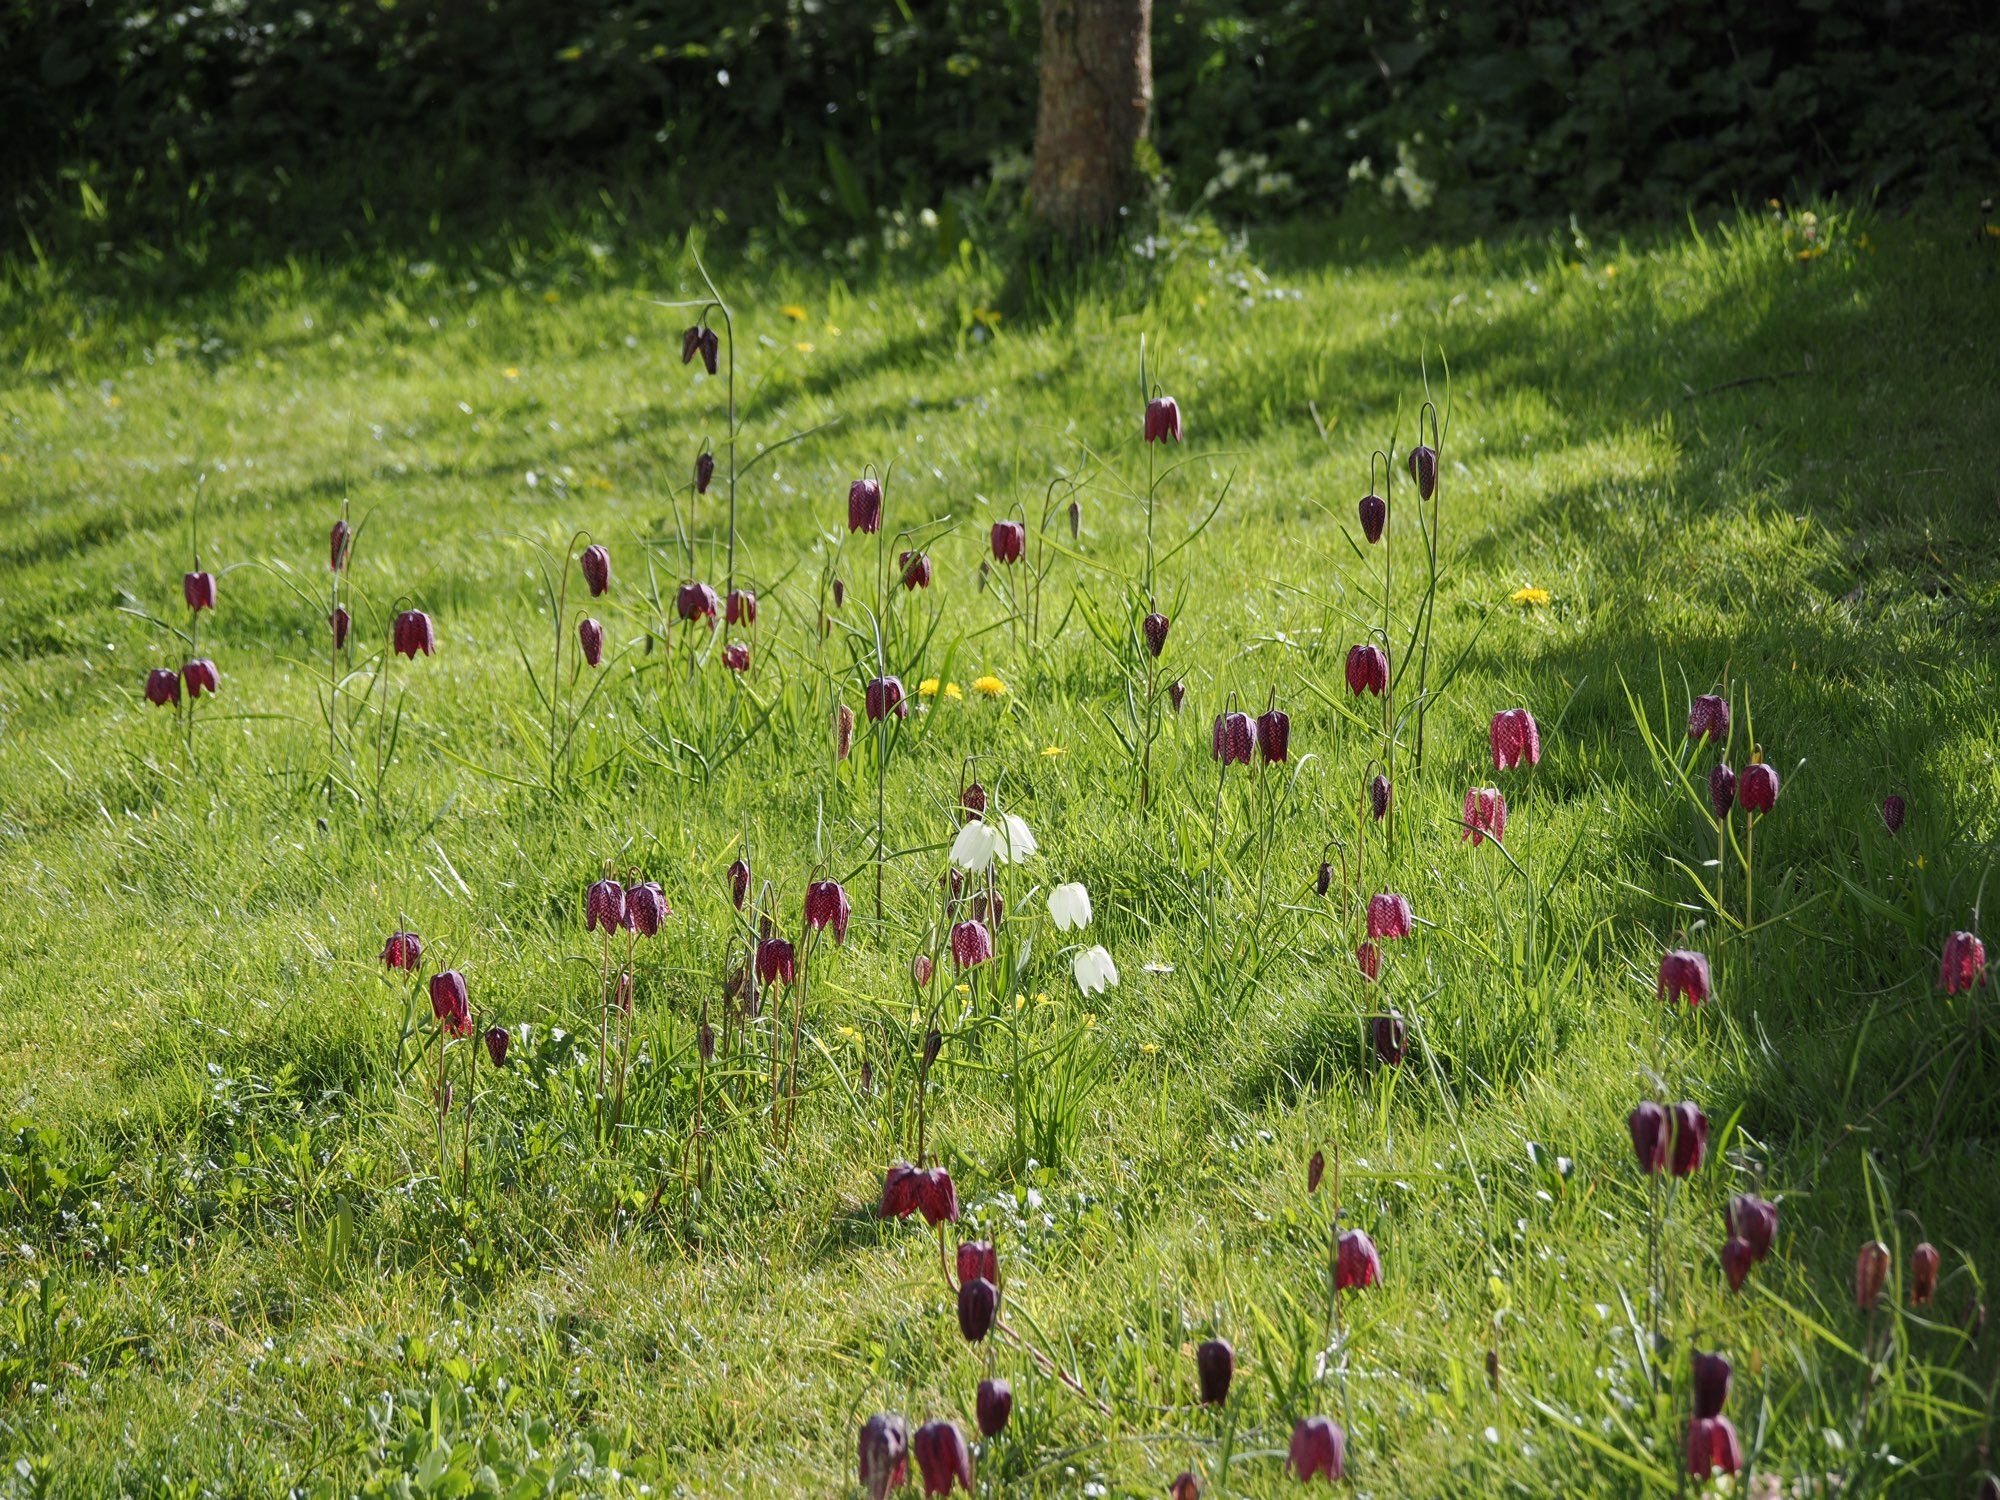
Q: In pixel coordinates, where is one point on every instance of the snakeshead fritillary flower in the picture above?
(971, 944)
(1710, 1376)
(1389, 916)
(1712, 1444)
(943, 1458)
(1924, 1262)
(921, 969)
(711, 347)
(696, 601)
(827, 906)
(993, 1403)
(1374, 516)
(1094, 971)
(1650, 1130)
(1214, 1368)
(864, 506)
(1009, 539)
(1319, 1446)
(937, 1197)
(738, 878)
(1163, 419)
(1963, 964)
(884, 1454)
(1274, 736)
(1154, 628)
(199, 591)
(1708, 718)
(777, 961)
(200, 676)
(916, 568)
(736, 656)
(1423, 463)
(339, 621)
(704, 471)
(646, 908)
(412, 633)
(404, 950)
(1235, 739)
(497, 1042)
(978, 1302)
(339, 541)
(1392, 1038)
(1757, 787)
(980, 842)
(596, 566)
(604, 907)
(590, 636)
(1367, 670)
(1683, 976)
(1515, 739)
(1893, 811)
(1369, 958)
(1754, 1221)
(1721, 789)
(450, 1003)
(1323, 881)
(1737, 1259)
(843, 731)
(1871, 1272)
(1355, 1263)
(972, 801)
(1485, 815)
(899, 1191)
(1185, 1486)
(1378, 797)
(1176, 694)
(977, 1258)
(1069, 906)
(1690, 1139)
(884, 696)
(741, 607)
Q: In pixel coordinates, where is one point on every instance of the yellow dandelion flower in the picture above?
(988, 686)
(1149, 1046)
(1530, 595)
(803, 347)
(928, 688)
(793, 311)
(963, 989)
(1052, 751)
(511, 373)
(953, 691)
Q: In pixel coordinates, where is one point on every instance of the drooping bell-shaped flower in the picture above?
(777, 961)
(711, 349)
(738, 879)
(596, 566)
(971, 944)
(1753, 1220)
(1871, 1273)
(1485, 815)
(1069, 906)
(884, 1455)
(1214, 1369)
(404, 950)
(1378, 797)
(1709, 1376)
(1367, 669)
(1274, 736)
(1963, 963)
(1323, 881)
(982, 841)
(1757, 787)
(972, 801)
(827, 906)
(916, 568)
(704, 471)
(1721, 789)
(1650, 1132)
(843, 731)
(696, 601)
(937, 1197)
(199, 591)
(1683, 976)
(497, 1041)
(1708, 718)
(943, 1458)
(200, 676)
(1154, 628)
(1737, 1259)
(412, 633)
(993, 1404)
(1515, 738)
(1894, 810)
(1712, 1444)
(1389, 916)
(864, 506)
(1319, 1448)
(978, 1302)
(1235, 739)
(1163, 419)
(976, 1258)
(884, 696)
(1374, 516)
(1094, 971)
(646, 909)
(1185, 1486)
(590, 636)
(604, 907)
(1355, 1263)
(339, 622)
(1690, 1139)
(339, 541)
(736, 656)
(450, 1003)
(1392, 1037)
(1368, 958)
(1423, 463)
(1010, 540)
(899, 1191)
(1176, 694)
(741, 607)
(1924, 1263)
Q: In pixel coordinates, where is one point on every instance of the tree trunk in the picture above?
(1097, 87)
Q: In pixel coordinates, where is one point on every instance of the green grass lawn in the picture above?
(232, 1265)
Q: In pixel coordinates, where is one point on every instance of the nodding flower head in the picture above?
(1319, 1447)
(604, 907)
(943, 1458)
(1392, 1037)
(690, 343)
(339, 622)
(1515, 739)
(1378, 797)
(1754, 1221)
(1485, 815)
(696, 601)
(916, 568)
(1721, 789)
(1962, 966)
(199, 590)
(1683, 976)
(1368, 958)
(1214, 1369)
(1185, 1486)
(1650, 1131)
(704, 471)
(899, 1191)
(741, 607)
(1423, 463)
(777, 961)
(1871, 1273)
(711, 350)
(1274, 736)
(404, 950)
(1711, 1374)
(972, 801)
(1367, 669)
(646, 908)
(1315, 1170)
(884, 696)
(1010, 539)
(978, 1302)
(1757, 787)
(1712, 1444)
(1235, 739)
(1924, 1263)
(1690, 1139)
(1737, 1259)
(971, 944)
(1154, 628)
(339, 542)
(200, 676)
(1374, 516)
(864, 505)
(1894, 810)
(412, 633)
(590, 636)
(1176, 694)
(738, 878)
(1355, 1263)
(937, 1197)
(497, 1041)
(993, 1404)
(921, 969)
(736, 656)
(977, 1258)
(843, 731)
(1323, 881)
(884, 1454)
(450, 1003)
(827, 906)
(1163, 419)
(596, 565)
(1708, 718)
(1389, 916)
